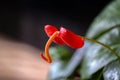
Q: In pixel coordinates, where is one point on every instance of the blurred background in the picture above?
(23, 21)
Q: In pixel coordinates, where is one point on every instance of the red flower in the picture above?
(63, 37)
(70, 38)
(49, 29)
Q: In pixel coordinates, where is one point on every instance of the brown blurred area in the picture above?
(18, 61)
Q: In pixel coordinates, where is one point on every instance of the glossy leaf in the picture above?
(106, 29)
(65, 67)
(60, 53)
(112, 71)
(108, 18)
(97, 56)
(57, 70)
(60, 56)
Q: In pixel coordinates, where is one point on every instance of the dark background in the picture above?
(23, 20)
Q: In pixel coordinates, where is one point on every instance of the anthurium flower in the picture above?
(62, 37)
(49, 29)
(70, 38)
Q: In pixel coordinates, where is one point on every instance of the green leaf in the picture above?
(98, 75)
(112, 71)
(60, 53)
(57, 70)
(61, 56)
(108, 18)
(106, 29)
(98, 56)
(65, 69)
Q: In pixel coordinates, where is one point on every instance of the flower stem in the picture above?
(48, 58)
(106, 46)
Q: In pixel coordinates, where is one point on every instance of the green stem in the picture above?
(106, 46)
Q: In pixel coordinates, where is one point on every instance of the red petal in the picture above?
(58, 40)
(70, 38)
(49, 29)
